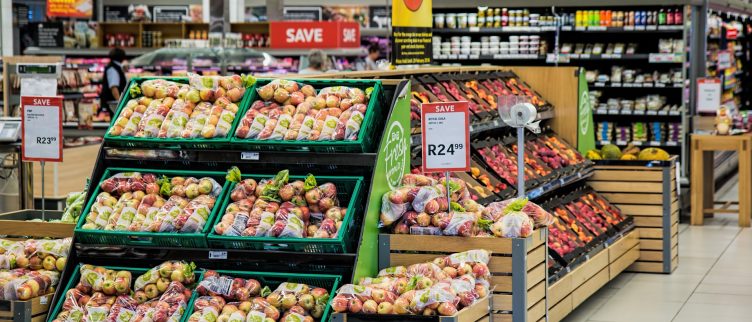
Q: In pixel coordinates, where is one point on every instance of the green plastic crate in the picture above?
(174, 143)
(76, 276)
(329, 282)
(349, 195)
(166, 239)
(367, 137)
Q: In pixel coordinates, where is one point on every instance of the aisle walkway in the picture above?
(713, 281)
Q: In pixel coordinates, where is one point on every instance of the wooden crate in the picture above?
(647, 191)
(584, 280)
(34, 310)
(477, 312)
(517, 266)
(15, 224)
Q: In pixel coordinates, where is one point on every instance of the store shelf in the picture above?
(601, 112)
(657, 144)
(84, 52)
(490, 57)
(554, 185)
(634, 85)
(377, 32)
(652, 28)
(492, 31)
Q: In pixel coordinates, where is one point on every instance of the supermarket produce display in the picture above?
(250, 204)
(31, 268)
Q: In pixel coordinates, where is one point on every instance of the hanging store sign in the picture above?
(314, 34)
(412, 32)
(70, 8)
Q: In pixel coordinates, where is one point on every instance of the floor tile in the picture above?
(619, 309)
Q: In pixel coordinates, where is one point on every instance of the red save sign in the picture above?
(314, 34)
(42, 128)
(445, 136)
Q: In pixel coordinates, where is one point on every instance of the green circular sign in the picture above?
(396, 154)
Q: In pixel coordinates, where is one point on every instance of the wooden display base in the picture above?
(517, 267)
(34, 310)
(478, 312)
(15, 224)
(647, 191)
(575, 287)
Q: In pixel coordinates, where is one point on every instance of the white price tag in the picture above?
(217, 254)
(254, 156)
(42, 128)
(708, 94)
(445, 137)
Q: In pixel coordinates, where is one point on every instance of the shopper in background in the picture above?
(374, 51)
(317, 62)
(114, 81)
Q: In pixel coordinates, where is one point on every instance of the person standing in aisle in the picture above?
(374, 51)
(317, 63)
(113, 82)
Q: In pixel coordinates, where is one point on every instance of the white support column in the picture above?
(6, 24)
(205, 4)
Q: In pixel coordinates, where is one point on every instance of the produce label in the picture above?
(42, 128)
(446, 136)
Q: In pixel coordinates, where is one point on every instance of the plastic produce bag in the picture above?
(123, 310)
(179, 271)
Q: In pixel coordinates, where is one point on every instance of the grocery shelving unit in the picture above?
(563, 32)
(345, 264)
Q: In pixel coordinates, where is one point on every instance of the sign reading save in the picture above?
(314, 34)
(41, 128)
(446, 136)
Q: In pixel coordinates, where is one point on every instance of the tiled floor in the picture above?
(712, 283)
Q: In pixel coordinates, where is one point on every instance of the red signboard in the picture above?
(314, 34)
(445, 136)
(70, 8)
(731, 33)
(42, 128)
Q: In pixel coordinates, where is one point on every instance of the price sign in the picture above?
(708, 95)
(446, 136)
(42, 128)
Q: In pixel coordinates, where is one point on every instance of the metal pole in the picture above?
(449, 193)
(520, 162)
(42, 163)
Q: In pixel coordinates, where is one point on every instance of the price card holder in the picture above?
(445, 136)
(42, 128)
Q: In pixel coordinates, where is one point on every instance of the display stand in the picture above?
(16, 223)
(359, 259)
(584, 280)
(703, 147)
(517, 267)
(647, 191)
(34, 310)
(477, 312)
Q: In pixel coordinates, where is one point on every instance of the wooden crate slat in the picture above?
(623, 262)
(502, 317)
(628, 176)
(536, 257)
(398, 259)
(536, 275)
(536, 293)
(647, 233)
(651, 244)
(560, 310)
(641, 210)
(587, 289)
(471, 313)
(537, 311)
(560, 289)
(451, 245)
(634, 198)
(650, 255)
(486, 318)
(647, 267)
(501, 283)
(36, 229)
(625, 167)
(587, 269)
(502, 302)
(645, 221)
(626, 186)
(623, 245)
(500, 264)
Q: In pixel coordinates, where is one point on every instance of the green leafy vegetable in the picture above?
(233, 175)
